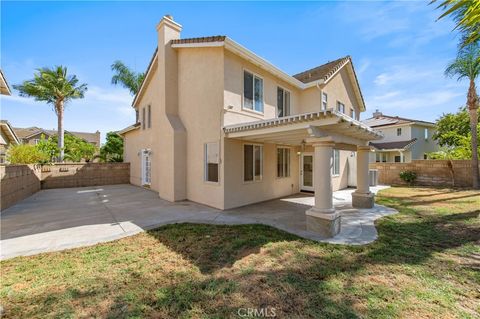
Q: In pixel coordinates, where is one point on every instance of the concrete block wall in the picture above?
(455, 173)
(18, 182)
(84, 174)
(21, 181)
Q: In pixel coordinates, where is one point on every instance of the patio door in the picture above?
(146, 168)
(306, 172)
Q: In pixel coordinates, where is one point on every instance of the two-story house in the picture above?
(219, 125)
(32, 135)
(403, 140)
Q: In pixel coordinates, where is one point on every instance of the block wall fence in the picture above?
(455, 173)
(21, 181)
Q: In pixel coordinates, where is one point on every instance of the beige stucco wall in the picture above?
(234, 67)
(340, 89)
(139, 139)
(200, 102)
(338, 181)
(239, 193)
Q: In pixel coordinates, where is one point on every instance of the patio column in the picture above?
(362, 197)
(322, 218)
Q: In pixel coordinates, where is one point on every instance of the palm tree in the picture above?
(128, 78)
(466, 14)
(467, 66)
(55, 87)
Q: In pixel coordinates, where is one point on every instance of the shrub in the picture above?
(26, 154)
(408, 176)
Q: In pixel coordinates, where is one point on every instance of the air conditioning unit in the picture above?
(373, 177)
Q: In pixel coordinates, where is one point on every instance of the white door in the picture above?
(352, 170)
(306, 172)
(146, 168)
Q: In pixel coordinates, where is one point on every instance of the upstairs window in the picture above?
(353, 114)
(283, 102)
(324, 101)
(252, 162)
(283, 162)
(399, 131)
(336, 163)
(341, 107)
(252, 92)
(425, 133)
(211, 162)
(149, 109)
(143, 118)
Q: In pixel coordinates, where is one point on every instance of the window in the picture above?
(425, 133)
(283, 102)
(149, 108)
(336, 162)
(252, 92)
(252, 162)
(324, 101)
(398, 159)
(283, 162)
(381, 157)
(211, 162)
(137, 116)
(143, 118)
(399, 131)
(353, 114)
(35, 141)
(341, 107)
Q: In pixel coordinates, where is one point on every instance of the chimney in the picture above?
(377, 114)
(168, 30)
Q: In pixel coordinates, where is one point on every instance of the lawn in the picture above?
(425, 264)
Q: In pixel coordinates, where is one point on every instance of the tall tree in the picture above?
(57, 88)
(467, 66)
(466, 14)
(127, 78)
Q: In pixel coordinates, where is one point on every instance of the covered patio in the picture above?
(324, 131)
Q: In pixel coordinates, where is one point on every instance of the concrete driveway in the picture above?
(57, 219)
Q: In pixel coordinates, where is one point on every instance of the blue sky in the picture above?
(398, 49)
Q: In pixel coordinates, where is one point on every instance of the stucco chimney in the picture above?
(377, 114)
(168, 30)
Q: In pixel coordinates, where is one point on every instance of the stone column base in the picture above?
(326, 224)
(361, 200)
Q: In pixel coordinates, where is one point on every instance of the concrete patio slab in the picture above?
(58, 219)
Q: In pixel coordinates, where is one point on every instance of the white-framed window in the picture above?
(211, 162)
(252, 92)
(252, 162)
(341, 107)
(353, 114)
(425, 133)
(143, 118)
(283, 102)
(336, 163)
(324, 101)
(36, 141)
(399, 131)
(381, 157)
(283, 162)
(149, 113)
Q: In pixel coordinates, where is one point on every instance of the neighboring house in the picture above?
(221, 126)
(7, 138)
(32, 135)
(4, 88)
(404, 139)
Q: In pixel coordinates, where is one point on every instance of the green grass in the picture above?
(425, 264)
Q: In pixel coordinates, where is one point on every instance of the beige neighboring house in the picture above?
(221, 126)
(32, 135)
(404, 139)
(7, 138)
(4, 88)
